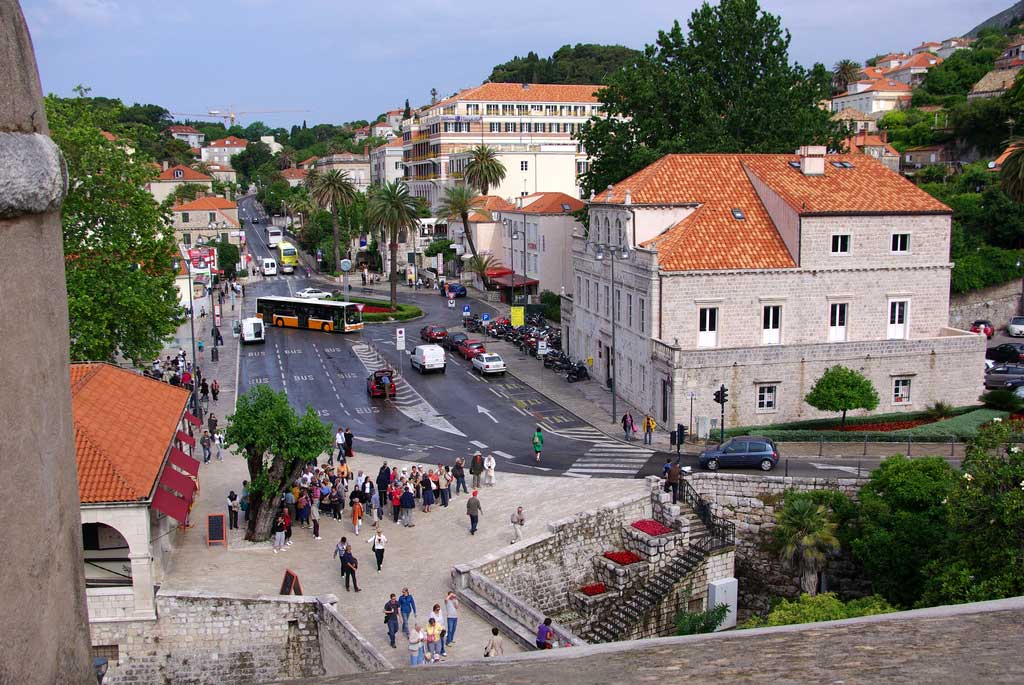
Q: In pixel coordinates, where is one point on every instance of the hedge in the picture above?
(404, 313)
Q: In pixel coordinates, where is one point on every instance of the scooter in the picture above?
(578, 373)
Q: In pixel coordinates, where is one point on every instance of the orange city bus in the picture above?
(320, 315)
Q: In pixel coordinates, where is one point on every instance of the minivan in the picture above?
(428, 358)
(744, 450)
(252, 331)
(269, 267)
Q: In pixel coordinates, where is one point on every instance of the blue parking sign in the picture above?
(485, 317)
(465, 309)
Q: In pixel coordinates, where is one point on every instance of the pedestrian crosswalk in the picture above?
(610, 459)
(584, 433)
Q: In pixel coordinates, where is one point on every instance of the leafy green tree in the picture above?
(481, 264)
(804, 536)
(1002, 399)
(902, 525)
(484, 169)
(331, 190)
(984, 556)
(119, 255)
(459, 202)
(844, 73)
(276, 445)
(227, 257)
(247, 162)
(392, 210)
(552, 303)
(960, 71)
(842, 389)
(580, 64)
(823, 607)
(407, 112)
(683, 96)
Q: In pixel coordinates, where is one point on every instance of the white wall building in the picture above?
(222, 150)
(171, 178)
(386, 163)
(187, 134)
(356, 166)
(272, 143)
(873, 96)
(205, 220)
(761, 271)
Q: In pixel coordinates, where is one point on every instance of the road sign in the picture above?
(542, 348)
(346, 265)
(485, 317)
(451, 304)
(518, 318)
(400, 339)
(465, 311)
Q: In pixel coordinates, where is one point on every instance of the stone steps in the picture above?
(524, 636)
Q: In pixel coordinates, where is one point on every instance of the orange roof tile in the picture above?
(180, 128)
(532, 92)
(294, 174)
(108, 135)
(922, 60)
(878, 85)
(207, 203)
(311, 160)
(997, 164)
(187, 174)
(230, 141)
(548, 203)
(860, 141)
(124, 425)
(490, 203)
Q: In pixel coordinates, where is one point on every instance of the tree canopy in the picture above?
(583, 63)
(842, 389)
(725, 86)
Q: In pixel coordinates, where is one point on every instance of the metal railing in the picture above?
(721, 532)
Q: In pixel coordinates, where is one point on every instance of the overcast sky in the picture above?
(344, 61)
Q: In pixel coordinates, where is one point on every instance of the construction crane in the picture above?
(230, 115)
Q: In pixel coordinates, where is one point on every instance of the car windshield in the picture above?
(1017, 321)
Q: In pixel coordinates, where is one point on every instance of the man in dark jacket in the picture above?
(672, 478)
(476, 467)
(383, 479)
(348, 568)
(408, 502)
(460, 476)
(348, 442)
(473, 510)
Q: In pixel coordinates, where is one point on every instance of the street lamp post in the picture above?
(614, 252)
(192, 327)
(515, 236)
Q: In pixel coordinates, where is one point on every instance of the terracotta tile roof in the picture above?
(872, 73)
(997, 164)
(205, 203)
(533, 92)
(180, 128)
(311, 160)
(892, 56)
(294, 174)
(929, 44)
(108, 135)
(548, 203)
(491, 203)
(230, 141)
(860, 141)
(851, 114)
(996, 81)
(922, 60)
(124, 424)
(187, 174)
(878, 85)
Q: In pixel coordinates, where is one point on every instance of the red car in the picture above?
(433, 333)
(471, 348)
(983, 327)
(381, 383)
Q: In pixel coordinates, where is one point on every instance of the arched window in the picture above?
(607, 230)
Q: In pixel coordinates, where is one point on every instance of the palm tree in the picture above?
(1012, 173)
(203, 168)
(844, 73)
(458, 203)
(331, 190)
(484, 169)
(392, 209)
(286, 158)
(805, 534)
(482, 264)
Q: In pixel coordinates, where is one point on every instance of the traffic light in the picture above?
(718, 396)
(724, 393)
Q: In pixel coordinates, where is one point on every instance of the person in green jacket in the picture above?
(538, 442)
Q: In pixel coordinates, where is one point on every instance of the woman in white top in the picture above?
(489, 465)
(416, 640)
(377, 543)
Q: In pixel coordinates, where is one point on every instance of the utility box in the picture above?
(703, 427)
(725, 592)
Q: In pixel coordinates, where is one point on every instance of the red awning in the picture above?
(186, 438)
(516, 281)
(184, 462)
(170, 504)
(191, 418)
(498, 271)
(179, 482)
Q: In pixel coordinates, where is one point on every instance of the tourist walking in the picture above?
(339, 442)
(349, 565)
(627, 425)
(349, 438)
(395, 495)
(476, 467)
(357, 513)
(495, 646)
(672, 480)
(278, 529)
(375, 510)
(416, 640)
(473, 510)
(545, 635)
(451, 610)
(489, 465)
(232, 510)
(538, 442)
(408, 502)
(459, 472)
(518, 521)
(211, 423)
(377, 543)
(406, 606)
(339, 553)
(391, 619)
(649, 426)
(205, 442)
(444, 482)
(314, 515)
(215, 389)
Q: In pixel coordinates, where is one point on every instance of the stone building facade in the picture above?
(759, 272)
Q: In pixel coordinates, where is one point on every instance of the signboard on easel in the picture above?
(290, 584)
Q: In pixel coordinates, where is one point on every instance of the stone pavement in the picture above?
(420, 558)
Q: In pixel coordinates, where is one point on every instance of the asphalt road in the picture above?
(437, 417)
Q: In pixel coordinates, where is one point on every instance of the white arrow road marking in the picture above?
(504, 455)
(359, 437)
(478, 444)
(845, 469)
(481, 410)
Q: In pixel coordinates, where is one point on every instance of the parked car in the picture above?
(488, 363)
(312, 294)
(983, 327)
(433, 333)
(745, 450)
(452, 340)
(1003, 375)
(453, 290)
(381, 383)
(471, 348)
(1015, 328)
(428, 358)
(1006, 353)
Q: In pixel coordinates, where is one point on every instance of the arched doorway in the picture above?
(107, 556)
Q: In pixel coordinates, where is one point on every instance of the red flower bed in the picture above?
(884, 426)
(651, 527)
(371, 309)
(593, 589)
(624, 558)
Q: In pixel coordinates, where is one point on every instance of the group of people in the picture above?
(428, 642)
(629, 427)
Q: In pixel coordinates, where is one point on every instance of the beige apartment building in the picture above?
(386, 163)
(221, 151)
(761, 271)
(356, 166)
(168, 180)
(531, 126)
(205, 220)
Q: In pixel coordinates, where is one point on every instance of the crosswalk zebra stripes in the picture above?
(610, 459)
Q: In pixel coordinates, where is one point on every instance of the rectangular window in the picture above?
(837, 321)
(771, 324)
(508, 110)
(607, 301)
(900, 242)
(523, 110)
(578, 285)
(472, 109)
(841, 244)
(224, 237)
(618, 305)
(213, 216)
(643, 314)
(186, 238)
(587, 292)
(510, 127)
(184, 217)
(492, 109)
(897, 329)
(597, 299)
(524, 165)
(708, 327)
(526, 126)
(766, 398)
(495, 127)
(629, 310)
(901, 391)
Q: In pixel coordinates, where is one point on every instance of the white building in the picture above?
(913, 70)
(187, 134)
(382, 129)
(295, 177)
(172, 177)
(386, 163)
(759, 272)
(510, 118)
(221, 151)
(356, 166)
(134, 492)
(873, 97)
(272, 143)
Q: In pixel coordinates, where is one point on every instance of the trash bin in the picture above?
(214, 354)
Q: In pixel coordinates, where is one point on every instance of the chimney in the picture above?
(629, 197)
(885, 136)
(611, 192)
(812, 160)
(165, 164)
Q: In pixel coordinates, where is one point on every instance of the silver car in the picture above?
(1016, 327)
(1000, 376)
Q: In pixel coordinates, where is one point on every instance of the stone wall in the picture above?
(201, 638)
(110, 603)
(997, 304)
(343, 648)
(751, 503)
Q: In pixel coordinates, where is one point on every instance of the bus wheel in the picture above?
(324, 327)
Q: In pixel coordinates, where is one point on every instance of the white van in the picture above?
(428, 358)
(269, 267)
(252, 331)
